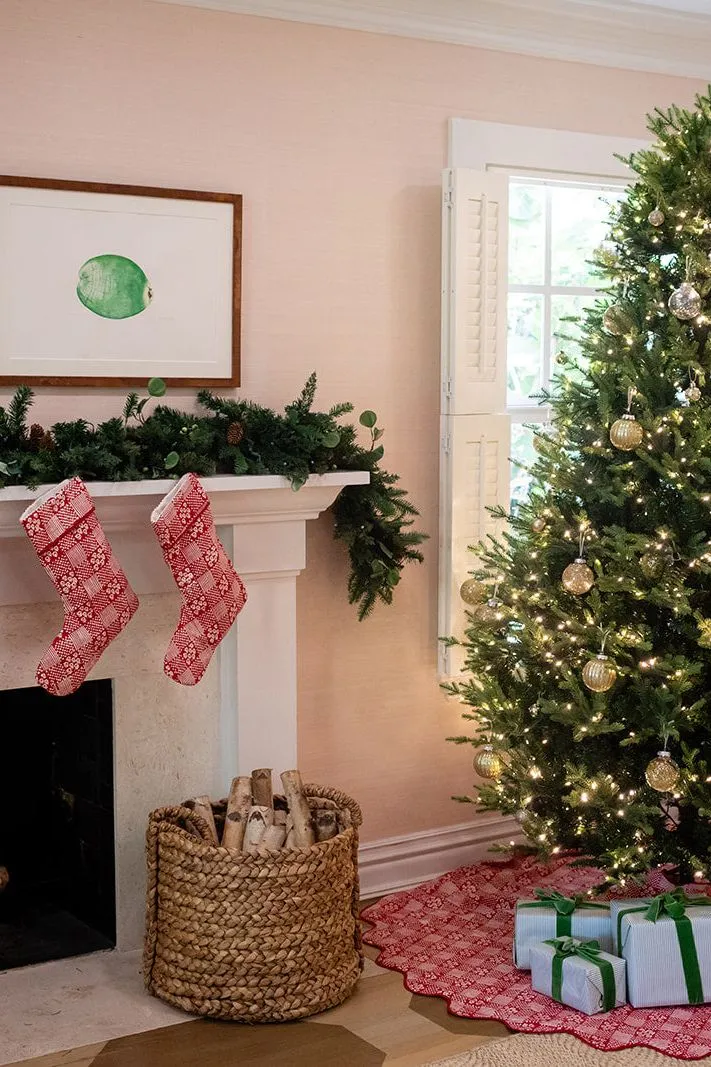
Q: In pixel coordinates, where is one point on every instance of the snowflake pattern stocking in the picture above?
(213, 593)
(98, 601)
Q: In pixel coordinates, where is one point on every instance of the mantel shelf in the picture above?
(235, 499)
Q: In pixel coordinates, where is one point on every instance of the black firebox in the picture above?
(56, 824)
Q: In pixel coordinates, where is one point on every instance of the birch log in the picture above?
(262, 788)
(326, 823)
(202, 806)
(274, 838)
(258, 820)
(238, 804)
(299, 809)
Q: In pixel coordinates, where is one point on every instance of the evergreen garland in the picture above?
(231, 437)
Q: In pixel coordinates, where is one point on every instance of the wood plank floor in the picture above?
(381, 1024)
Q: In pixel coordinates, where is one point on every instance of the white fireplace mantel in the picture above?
(234, 499)
(261, 521)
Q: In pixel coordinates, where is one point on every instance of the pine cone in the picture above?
(36, 435)
(235, 433)
(47, 442)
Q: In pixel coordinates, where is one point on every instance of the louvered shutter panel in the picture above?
(477, 460)
(475, 224)
(475, 429)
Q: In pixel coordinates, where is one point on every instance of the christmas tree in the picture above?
(588, 641)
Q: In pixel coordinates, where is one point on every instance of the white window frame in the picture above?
(475, 421)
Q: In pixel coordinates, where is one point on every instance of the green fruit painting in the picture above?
(113, 287)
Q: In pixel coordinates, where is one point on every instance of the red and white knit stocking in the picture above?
(98, 601)
(213, 593)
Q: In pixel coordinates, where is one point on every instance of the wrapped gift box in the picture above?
(578, 974)
(553, 915)
(666, 942)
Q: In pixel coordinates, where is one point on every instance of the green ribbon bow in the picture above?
(673, 906)
(564, 908)
(567, 947)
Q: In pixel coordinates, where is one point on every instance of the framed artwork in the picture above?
(114, 284)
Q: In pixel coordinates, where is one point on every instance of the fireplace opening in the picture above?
(57, 824)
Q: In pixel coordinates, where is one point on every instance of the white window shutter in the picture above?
(474, 246)
(476, 432)
(476, 477)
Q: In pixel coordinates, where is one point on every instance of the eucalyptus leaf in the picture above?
(368, 418)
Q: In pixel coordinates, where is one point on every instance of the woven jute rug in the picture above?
(555, 1050)
(452, 938)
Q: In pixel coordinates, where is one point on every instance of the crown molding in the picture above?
(661, 36)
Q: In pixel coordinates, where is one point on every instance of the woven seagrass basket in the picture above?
(248, 937)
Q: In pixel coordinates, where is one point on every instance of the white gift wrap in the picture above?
(655, 974)
(582, 981)
(616, 906)
(533, 925)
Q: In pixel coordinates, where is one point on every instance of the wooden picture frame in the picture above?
(189, 237)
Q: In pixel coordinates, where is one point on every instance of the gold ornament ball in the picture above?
(578, 578)
(616, 320)
(655, 217)
(626, 433)
(487, 763)
(539, 524)
(662, 772)
(653, 564)
(693, 394)
(472, 592)
(540, 440)
(685, 302)
(490, 612)
(598, 675)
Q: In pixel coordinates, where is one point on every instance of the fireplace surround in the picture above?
(171, 741)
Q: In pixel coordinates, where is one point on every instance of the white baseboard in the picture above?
(396, 863)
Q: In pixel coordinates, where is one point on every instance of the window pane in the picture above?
(522, 451)
(579, 223)
(525, 346)
(527, 234)
(564, 334)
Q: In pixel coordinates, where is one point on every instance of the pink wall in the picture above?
(336, 139)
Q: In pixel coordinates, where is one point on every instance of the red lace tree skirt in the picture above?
(452, 938)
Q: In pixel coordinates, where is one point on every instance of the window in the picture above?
(553, 228)
(521, 215)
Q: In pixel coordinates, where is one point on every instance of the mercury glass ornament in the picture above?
(539, 524)
(626, 433)
(577, 577)
(472, 592)
(693, 393)
(653, 564)
(662, 772)
(685, 302)
(598, 675)
(487, 763)
(490, 612)
(655, 217)
(616, 320)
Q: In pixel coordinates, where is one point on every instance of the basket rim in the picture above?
(202, 847)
